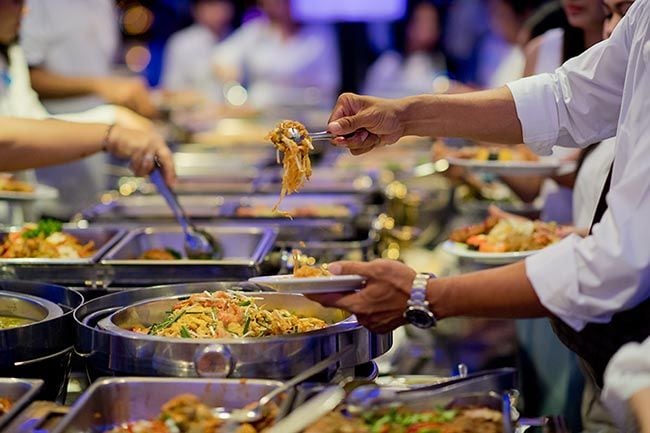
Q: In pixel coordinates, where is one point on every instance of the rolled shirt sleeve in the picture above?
(579, 104)
(603, 92)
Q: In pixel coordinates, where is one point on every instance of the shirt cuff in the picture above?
(537, 111)
(102, 114)
(555, 289)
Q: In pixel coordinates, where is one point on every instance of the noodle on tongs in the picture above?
(295, 160)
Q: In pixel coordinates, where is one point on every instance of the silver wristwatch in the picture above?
(417, 311)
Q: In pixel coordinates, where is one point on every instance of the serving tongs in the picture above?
(315, 136)
(258, 410)
(199, 244)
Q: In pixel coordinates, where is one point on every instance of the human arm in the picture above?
(497, 293)
(26, 143)
(130, 92)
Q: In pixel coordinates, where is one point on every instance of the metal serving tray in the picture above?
(103, 237)
(243, 249)
(326, 180)
(20, 392)
(111, 402)
(152, 207)
(354, 203)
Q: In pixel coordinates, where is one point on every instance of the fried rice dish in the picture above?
(44, 240)
(227, 314)
(402, 420)
(185, 413)
(296, 164)
(501, 235)
(5, 405)
(13, 185)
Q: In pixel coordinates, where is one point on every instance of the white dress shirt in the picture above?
(603, 92)
(72, 38)
(627, 373)
(394, 76)
(187, 64)
(590, 181)
(300, 70)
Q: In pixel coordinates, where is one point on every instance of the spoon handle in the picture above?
(171, 199)
(316, 368)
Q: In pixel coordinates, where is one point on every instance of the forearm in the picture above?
(488, 115)
(52, 85)
(527, 188)
(640, 403)
(28, 143)
(503, 292)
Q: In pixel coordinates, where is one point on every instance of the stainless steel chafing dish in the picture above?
(242, 251)
(111, 402)
(103, 237)
(353, 203)
(41, 349)
(112, 350)
(19, 392)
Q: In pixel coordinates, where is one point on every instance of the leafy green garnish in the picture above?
(166, 323)
(185, 333)
(45, 227)
(174, 253)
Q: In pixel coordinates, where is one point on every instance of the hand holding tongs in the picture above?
(199, 244)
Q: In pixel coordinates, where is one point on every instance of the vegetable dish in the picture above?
(44, 240)
(228, 314)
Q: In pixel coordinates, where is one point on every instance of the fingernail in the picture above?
(335, 268)
(335, 128)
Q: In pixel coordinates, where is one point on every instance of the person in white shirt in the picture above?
(627, 387)
(281, 62)
(395, 75)
(597, 288)
(187, 60)
(70, 46)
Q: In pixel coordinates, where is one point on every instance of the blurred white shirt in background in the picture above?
(188, 63)
(74, 38)
(300, 70)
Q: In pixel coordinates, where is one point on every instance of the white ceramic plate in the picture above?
(41, 192)
(329, 284)
(461, 250)
(543, 167)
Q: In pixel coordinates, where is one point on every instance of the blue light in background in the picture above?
(349, 10)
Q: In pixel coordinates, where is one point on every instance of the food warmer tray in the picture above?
(355, 203)
(42, 349)
(103, 237)
(243, 249)
(19, 392)
(326, 180)
(112, 350)
(111, 402)
(151, 208)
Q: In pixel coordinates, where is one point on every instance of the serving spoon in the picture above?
(198, 244)
(258, 409)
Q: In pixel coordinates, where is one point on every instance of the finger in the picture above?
(326, 299)
(355, 140)
(348, 124)
(137, 160)
(345, 267)
(167, 162)
(361, 151)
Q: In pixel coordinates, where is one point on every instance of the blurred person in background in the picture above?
(413, 71)
(71, 67)
(187, 60)
(280, 61)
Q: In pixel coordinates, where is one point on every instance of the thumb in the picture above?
(348, 267)
(347, 125)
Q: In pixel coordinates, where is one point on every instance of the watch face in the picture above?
(419, 317)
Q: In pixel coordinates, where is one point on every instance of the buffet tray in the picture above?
(20, 392)
(326, 180)
(153, 207)
(243, 249)
(353, 202)
(103, 237)
(111, 402)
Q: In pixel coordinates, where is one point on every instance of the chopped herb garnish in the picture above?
(45, 227)
(185, 333)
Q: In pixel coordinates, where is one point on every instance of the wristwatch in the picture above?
(417, 311)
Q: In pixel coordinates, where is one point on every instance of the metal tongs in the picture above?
(258, 409)
(315, 136)
(198, 244)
